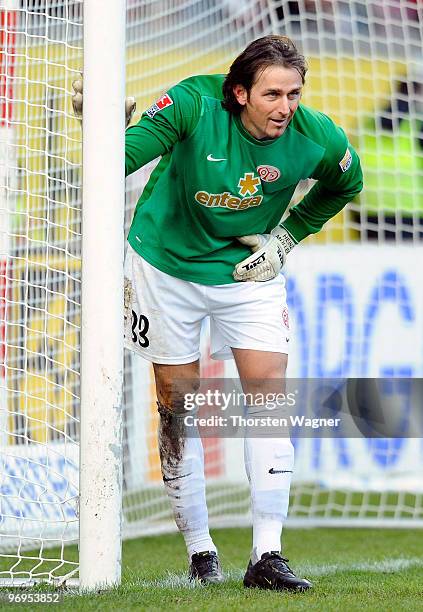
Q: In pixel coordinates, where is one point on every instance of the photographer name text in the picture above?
(268, 421)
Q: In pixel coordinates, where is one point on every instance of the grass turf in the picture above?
(354, 569)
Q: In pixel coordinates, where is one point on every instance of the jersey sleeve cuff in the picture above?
(294, 229)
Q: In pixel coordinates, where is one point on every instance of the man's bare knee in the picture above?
(261, 372)
(174, 382)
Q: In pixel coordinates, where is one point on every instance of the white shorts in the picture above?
(164, 315)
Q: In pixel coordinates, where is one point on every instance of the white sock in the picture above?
(269, 489)
(182, 463)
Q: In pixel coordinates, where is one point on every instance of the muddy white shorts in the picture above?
(164, 315)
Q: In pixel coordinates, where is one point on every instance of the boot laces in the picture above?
(280, 563)
(205, 562)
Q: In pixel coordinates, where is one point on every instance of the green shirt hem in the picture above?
(193, 278)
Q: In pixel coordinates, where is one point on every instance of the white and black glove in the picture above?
(77, 102)
(269, 255)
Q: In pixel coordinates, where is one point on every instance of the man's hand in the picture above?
(269, 255)
(77, 102)
(78, 88)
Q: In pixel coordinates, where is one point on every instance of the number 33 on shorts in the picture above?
(139, 325)
(136, 324)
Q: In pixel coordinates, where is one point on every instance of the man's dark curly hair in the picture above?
(260, 54)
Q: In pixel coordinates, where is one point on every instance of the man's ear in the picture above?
(241, 94)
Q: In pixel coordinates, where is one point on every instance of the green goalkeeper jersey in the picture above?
(215, 181)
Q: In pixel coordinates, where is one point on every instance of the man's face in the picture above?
(271, 103)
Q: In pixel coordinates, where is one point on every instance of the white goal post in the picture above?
(100, 505)
(60, 365)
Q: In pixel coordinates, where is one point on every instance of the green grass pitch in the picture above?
(352, 569)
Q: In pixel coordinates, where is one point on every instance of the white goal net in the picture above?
(354, 291)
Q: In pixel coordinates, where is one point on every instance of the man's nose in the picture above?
(284, 106)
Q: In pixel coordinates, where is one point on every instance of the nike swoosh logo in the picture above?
(176, 477)
(273, 471)
(211, 158)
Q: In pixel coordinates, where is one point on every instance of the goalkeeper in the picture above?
(207, 240)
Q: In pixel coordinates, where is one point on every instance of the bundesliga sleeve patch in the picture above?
(345, 162)
(162, 103)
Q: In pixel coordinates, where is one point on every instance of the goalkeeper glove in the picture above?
(269, 255)
(77, 102)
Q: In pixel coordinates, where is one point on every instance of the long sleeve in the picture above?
(172, 118)
(339, 178)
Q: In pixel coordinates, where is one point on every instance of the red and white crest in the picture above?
(164, 101)
(268, 174)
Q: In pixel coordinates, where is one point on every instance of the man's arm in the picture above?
(339, 178)
(172, 118)
(169, 119)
